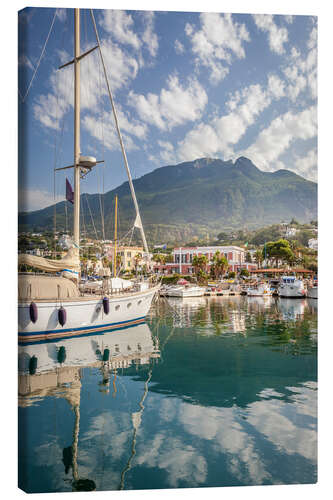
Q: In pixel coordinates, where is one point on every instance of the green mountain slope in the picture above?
(190, 199)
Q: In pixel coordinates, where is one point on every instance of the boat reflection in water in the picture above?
(216, 391)
(55, 370)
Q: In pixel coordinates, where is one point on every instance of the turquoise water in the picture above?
(209, 392)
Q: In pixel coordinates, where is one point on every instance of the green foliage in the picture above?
(219, 265)
(244, 272)
(232, 275)
(279, 250)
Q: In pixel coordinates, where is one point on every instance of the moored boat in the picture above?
(260, 290)
(292, 287)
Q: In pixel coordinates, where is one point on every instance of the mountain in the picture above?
(178, 202)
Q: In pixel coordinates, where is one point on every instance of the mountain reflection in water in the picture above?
(210, 392)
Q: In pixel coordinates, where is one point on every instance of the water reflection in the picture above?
(215, 391)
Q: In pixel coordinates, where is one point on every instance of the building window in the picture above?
(129, 254)
(129, 263)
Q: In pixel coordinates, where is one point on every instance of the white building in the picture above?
(313, 243)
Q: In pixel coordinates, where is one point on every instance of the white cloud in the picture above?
(167, 151)
(36, 199)
(149, 37)
(102, 127)
(119, 25)
(306, 166)
(222, 133)
(219, 39)
(61, 14)
(301, 72)
(50, 108)
(277, 37)
(23, 60)
(174, 105)
(179, 47)
(280, 134)
(289, 19)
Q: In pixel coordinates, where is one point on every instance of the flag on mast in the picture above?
(69, 192)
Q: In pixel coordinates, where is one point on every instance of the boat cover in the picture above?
(71, 261)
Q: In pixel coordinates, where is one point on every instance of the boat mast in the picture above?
(77, 127)
(115, 238)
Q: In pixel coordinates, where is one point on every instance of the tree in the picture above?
(244, 272)
(279, 250)
(258, 257)
(248, 257)
(219, 266)
(159, 258)
(199, 263)
(137, 259)
(222, 236)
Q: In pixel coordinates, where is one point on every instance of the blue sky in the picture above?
(186, 85)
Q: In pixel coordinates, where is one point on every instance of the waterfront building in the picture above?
(183, 258)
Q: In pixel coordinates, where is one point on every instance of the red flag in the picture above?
(69, 192)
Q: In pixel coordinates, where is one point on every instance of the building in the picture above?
(290, 232)
(127, 255)
(183, 258)
(313, 243)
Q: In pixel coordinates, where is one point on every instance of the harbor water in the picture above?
(210, 391)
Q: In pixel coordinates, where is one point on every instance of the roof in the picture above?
(280, 271)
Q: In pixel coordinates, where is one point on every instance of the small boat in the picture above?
(186, 291)
(290, 286)
(261, 290)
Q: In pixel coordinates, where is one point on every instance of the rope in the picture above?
(119, 135)
(92, 220)
(39, 60)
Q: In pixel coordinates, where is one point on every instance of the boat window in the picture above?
(139, 302)
(129, 305)
(117, 307)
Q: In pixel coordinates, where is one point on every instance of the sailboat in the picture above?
(54, 306)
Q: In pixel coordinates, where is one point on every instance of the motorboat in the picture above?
(185, 291)
(290, 286)
(260, 290)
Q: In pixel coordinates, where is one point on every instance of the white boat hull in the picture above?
(292, 293)
(83, 315)
(186, 292)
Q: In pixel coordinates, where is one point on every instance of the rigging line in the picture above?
(40, 58)
(92, 220)
(120, 136)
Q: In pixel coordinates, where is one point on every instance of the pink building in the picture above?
(183, 257)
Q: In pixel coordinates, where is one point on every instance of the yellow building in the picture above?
(127, 256)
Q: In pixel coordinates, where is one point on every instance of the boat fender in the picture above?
(33, 311)
(61, 354)
(106, 354)
(32, 365)
(62, 316)
(106, 305)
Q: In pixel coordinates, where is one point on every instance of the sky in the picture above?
(186, 86)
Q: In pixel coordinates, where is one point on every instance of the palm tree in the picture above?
(220, 264)
(199, 263)
(258, 257)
